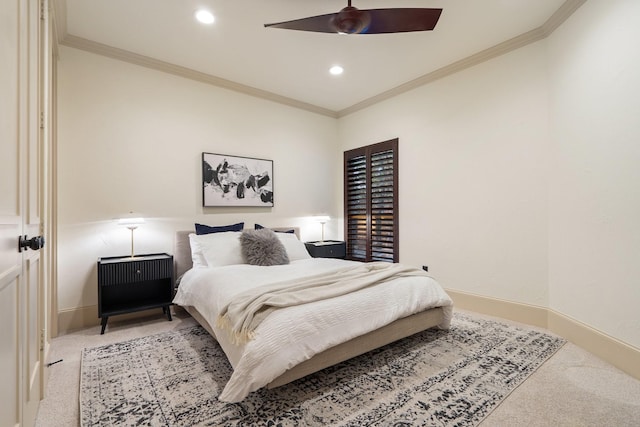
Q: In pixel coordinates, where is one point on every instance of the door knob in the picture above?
(34, 243)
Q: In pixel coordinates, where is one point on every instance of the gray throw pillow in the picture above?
(262, 247)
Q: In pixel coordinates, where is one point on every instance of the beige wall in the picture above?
(473, 175)
(518, 176)
(594, 223)
(130, 139)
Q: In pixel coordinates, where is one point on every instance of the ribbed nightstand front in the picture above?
(128, 284)
(326, 249)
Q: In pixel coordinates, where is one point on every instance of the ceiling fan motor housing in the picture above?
(350, 20)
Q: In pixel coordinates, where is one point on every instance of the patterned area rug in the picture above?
(435, 378)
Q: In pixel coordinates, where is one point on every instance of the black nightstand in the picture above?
(327, 249)
(127, 284)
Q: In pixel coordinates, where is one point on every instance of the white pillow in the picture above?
(216, 249)
(295, 248)
(197, 257)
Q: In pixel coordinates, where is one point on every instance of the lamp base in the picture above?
(132, 253)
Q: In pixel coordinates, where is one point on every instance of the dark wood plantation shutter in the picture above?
(371, 202)
(356, 206)
(383, 206)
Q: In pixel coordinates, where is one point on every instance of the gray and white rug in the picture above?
(434, 378)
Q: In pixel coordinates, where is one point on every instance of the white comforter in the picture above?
(292, 335)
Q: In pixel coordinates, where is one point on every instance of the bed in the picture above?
(283, 355)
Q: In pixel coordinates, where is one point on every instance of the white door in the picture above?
(22, 141)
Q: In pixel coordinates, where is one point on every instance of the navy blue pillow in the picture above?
(259, 227)
(207, 229)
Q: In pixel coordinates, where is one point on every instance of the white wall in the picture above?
(519, 177)
(473, 156)
(130, 139)
(594, 223)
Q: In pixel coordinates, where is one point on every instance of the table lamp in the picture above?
(322, 219)
(131, 224)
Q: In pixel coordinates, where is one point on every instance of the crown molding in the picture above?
(58, 20)
(63, 38)
(540, 33)
(468, 62)
(561, 15)
(188, 73)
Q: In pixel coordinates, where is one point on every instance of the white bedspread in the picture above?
(292, 335)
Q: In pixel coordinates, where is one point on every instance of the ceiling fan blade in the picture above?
(402, 20)
(318, 24)
(374, 21)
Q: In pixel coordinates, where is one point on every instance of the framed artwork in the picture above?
(236, 181)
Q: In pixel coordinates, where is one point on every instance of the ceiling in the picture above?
(292, 66)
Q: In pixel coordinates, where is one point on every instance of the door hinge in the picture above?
(41, 119)
(42, 9)
(42, 334)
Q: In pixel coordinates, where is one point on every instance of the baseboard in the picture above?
(77, 318)
(613, 351)
(518, 312)
(87, 317)
(619, 354)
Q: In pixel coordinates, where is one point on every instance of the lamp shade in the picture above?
(322, 218)
(131, 222)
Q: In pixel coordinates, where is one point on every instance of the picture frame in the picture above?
(236, 181)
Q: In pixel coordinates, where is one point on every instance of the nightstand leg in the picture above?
(104, 324)
(167, 310)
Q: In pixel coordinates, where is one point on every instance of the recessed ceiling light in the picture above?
(336, 70)
(205, 16)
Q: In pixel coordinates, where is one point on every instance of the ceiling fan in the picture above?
(351, 20)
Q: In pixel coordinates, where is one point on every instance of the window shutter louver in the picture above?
(356, 207)
(371, 226)
(382, 207)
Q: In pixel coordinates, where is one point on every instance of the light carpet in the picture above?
(443, 378)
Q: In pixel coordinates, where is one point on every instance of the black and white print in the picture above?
(236, 181)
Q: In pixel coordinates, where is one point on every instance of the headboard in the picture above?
(182, 252)
(182, 249)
